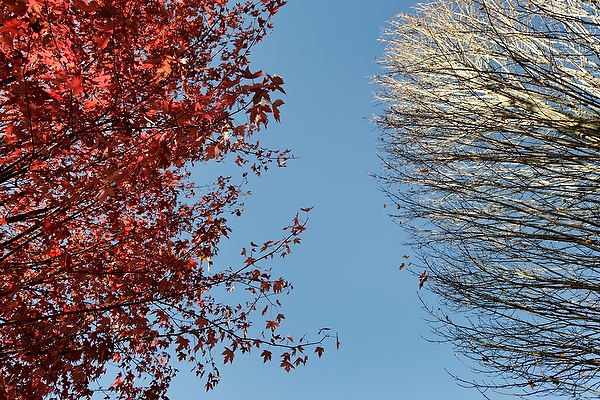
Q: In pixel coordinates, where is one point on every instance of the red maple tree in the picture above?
(105, 239)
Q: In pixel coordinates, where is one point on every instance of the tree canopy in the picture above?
(490, 148)
(106, 242)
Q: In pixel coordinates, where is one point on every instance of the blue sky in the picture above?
(345, 272)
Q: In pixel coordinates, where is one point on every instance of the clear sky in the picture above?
(345, 272)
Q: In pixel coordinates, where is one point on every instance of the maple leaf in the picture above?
(272, 325)
(228, 355)
(266, 355)
(279, 285)
(285, 364)
(165, 67)
(212, 151)
(278, 82)
(87, 7)
(300, 360)
(319, 350)
(265, 286)
(117, 383)
(105, 193)
(75, 84)
(184, 343)
(275, 107)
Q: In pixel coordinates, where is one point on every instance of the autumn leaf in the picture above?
(287, 365)
(184, 343)
(212, 151)
(319, 350)
(105, 193)
(102, 41)
(165, 67)
(272, 325)
(87, 7)
(275, 108)
(228, 355)
(266, 355)
(266, 245)
(279, 285)
(117, 383)
(75, 84)
(265, 286)
(251, 75)
(278, 82)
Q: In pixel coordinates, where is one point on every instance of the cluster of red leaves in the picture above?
(104, 242)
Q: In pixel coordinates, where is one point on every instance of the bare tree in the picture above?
(491, 152)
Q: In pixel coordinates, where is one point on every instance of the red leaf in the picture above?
(319, 350)
(117, 383)
(279, 285)
(75, 84)
(250, 75)
(266, 355)
(278, 81)
(300, 360)
(212, 151)
(265, 287)
(184, 343)
(13, 26)
(102, 41)
(285, 364)
(272, 325)
(87, 7)
(228, 355)
(275, 107)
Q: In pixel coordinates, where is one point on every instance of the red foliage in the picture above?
(105, 243)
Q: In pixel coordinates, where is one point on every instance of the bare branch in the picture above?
(491, 151)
